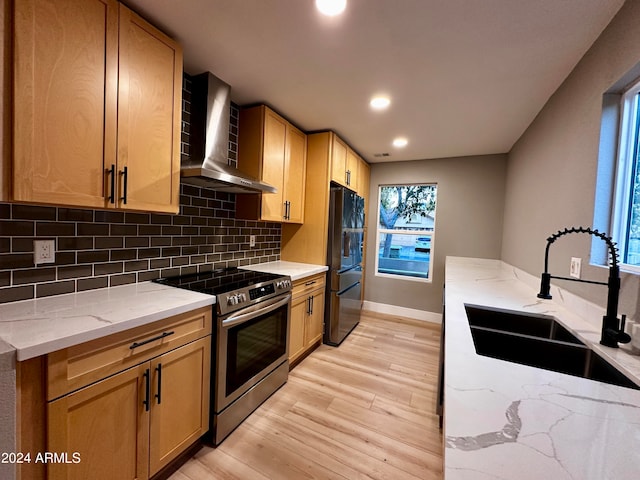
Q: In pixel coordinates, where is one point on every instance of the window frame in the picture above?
(417, 233)
(628, 143)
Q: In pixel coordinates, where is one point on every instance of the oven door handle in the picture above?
(254, 311)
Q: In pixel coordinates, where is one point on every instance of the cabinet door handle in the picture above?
(287, 210)
(348, 177)
(312, 300)
(309, 305)
(125, 174)
(159, 394)
(144, 342)
(112, 172)
(147, 390)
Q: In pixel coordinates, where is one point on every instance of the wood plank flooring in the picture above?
(364, 410)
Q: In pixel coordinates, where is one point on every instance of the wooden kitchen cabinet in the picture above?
(131, 424)
(338, 160)
(179, 414)
(106, 426)
(344, 163)
(273, 150)
(307, 317)
(149, 117)
(308, 243)
(364, 176)
(96, 99)
(351, 175)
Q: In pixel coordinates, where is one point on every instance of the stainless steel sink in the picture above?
(539, 341)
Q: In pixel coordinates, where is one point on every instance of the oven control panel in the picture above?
(262, 291)
(252, 294)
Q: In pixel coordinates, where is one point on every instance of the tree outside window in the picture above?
(405, 230)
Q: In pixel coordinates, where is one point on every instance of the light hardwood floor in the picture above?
(364, 410)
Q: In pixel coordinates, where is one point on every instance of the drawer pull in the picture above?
(308, 284)
(159, 337)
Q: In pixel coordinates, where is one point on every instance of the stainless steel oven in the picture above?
(250, 341)
(251, 360)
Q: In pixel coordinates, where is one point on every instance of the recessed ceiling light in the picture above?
(400, 142)
(331, 8)
(379, 102)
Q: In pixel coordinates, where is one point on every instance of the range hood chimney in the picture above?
(208, 163)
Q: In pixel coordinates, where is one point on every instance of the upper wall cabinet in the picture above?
(274, 151)
(364, 176)
(344, 164)
(308, 243)
(97, 97)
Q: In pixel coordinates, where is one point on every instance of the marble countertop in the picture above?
(294, 269)
(504, 420)
(40, 326)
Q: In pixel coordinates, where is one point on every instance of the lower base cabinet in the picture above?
(133, 423)
(103, 428)
(307, 316)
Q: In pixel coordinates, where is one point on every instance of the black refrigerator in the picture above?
(344, 257)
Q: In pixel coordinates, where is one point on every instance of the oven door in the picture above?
(251, 343)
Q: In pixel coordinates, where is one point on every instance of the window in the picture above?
(625, 221)
(406, 226)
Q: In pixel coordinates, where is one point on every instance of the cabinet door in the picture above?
(273, 158)
(364, 175)
(338, 161)
(180, 401)
(107, 425)
(351, 176)
(149, 109)
(294, 174)
(298, 317)
(315, 321)
(65, 94)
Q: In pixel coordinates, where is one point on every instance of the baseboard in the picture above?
(402, 312)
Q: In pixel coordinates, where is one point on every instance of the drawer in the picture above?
(75, 367)
(308, 285)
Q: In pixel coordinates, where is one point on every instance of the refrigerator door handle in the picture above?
(346, 245)
(348, 269)
(342, 292)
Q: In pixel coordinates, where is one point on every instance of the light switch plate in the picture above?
(44, 251)
(575, 268)
(252, 240)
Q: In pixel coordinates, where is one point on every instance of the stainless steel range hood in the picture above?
(208, 163)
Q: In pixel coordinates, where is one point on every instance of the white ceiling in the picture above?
(466, 77)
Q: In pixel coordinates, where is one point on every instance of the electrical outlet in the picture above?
(252, 240)
(576, 265)
(44, 251)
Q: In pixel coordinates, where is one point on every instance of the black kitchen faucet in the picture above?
(612, 329)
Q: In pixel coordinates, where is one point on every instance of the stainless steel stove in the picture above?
(250, 341)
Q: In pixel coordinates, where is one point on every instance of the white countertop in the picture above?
(294, 269)
(40, 326)
(509, 421)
